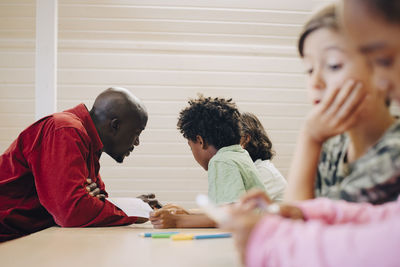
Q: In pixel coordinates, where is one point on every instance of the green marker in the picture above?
(162, 235)
(150, 234)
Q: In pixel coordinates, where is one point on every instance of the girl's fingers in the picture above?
(336, 111)
(354, 101)
(343, 96)
(353, 118)
(329, 99)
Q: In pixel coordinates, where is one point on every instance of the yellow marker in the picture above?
(182, 237)
(208, 236)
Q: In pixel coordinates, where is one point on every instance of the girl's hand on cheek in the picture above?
(337, 112)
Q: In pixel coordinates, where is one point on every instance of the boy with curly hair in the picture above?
(212, 128)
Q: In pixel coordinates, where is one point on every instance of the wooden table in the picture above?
(116, 246)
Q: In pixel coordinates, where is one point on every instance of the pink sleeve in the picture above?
(281, 242)
(336, 212)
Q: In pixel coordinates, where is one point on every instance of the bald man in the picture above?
(43, 174)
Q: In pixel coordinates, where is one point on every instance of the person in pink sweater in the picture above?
(323, 232)
(319, 232)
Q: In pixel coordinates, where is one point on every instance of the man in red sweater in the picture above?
(43, 174)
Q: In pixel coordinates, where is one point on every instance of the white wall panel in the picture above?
(165, 52)
(17, 55)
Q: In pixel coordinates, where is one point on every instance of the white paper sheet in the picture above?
(132, 206)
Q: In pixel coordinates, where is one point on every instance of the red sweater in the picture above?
(43, 175)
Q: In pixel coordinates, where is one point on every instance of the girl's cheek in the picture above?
(358, 69)
(337, 80)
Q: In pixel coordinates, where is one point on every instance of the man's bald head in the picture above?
(119, 117)
(118, 101)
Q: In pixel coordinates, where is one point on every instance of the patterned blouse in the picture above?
(375, 177)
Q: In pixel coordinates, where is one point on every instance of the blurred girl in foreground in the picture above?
(333, 233)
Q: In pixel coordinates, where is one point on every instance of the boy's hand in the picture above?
(151, 200)
(94, 190)
(163, 218)
(337, 112)
(175, 209)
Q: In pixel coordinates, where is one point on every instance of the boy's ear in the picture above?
(201, 141)
(114, 125)
(246, 139)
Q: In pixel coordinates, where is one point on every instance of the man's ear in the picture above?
(114, 125)
(201, 141)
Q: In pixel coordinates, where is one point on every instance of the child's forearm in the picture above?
(194, 221)
(195, 211)
(303, 169)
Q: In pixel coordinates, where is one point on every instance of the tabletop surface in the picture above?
(116, 246)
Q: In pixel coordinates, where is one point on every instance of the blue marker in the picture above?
(157, 233)
(180, 237)
(212, 236)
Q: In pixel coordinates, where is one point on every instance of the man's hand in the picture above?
(94, 190)
(151, 200)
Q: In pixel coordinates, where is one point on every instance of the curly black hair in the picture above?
(259, 146)
(216, 120)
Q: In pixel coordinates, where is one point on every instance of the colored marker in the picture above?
(191, 236)
(163, 235)
(157, 233)
(226, 235)
(182, 237)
